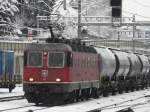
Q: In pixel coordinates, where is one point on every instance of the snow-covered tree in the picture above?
(8, 9)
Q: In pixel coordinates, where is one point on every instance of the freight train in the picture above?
(6, 69)
(65, 71)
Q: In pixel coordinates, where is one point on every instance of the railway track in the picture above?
(122, 104)
(133, 100)
(26, 108)
(15, 108)
(11, 98)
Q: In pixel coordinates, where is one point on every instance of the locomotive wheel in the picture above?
(94, 93)
(105, 92)
(146, 86)
(10, 90)
(71, 98)
(137, 87)
(120, 91)
(87, 95)
(83, 95)
(36, 103)
(132, 89)
(113, 91)
(142, 87)
(126, 89)
(77, 95)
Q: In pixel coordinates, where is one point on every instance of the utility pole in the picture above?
(134, 29)
(79, 19)
(134, 26)
(65, 5)
(37, 23)
(118, 40)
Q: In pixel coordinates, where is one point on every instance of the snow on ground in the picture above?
(4, 92)
(136, 100)
(102, 102)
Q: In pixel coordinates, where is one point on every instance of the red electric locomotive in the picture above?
(60, 72)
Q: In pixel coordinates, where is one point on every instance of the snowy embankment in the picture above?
(136, 100)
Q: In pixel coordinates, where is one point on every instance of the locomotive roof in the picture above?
(60, 47)
(83, 48)
(48, 46)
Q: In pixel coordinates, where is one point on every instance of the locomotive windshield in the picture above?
(35, 59)
(56, 59)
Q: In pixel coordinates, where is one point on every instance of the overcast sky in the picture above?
(139, 7)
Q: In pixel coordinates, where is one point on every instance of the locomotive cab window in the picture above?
(35, 59)
(56, 59)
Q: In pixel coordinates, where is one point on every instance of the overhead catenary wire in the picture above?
(35, 8)
(103, 5)
(138, 3)
(31, 6)
(125, 11)
(141, 4)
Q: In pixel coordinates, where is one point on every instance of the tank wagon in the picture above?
(6, 69)
(68, 72)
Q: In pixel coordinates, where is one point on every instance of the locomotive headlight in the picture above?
(31, 79)
(58, 80)
(45, 53)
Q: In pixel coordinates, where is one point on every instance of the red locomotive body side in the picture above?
(84, 68)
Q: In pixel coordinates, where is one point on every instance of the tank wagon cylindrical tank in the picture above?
(145, 65)
(122, 63)
(6, 70)
(135, 65)
(107, 62)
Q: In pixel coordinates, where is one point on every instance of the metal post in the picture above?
(79, 19)
(65, 5)
(134, 29)
(118, 40)
(134, 26)
(133, 41)
(37, 24)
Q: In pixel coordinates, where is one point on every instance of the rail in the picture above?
(5, 99)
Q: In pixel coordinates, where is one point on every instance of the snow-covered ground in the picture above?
(16, 92)
(135, 100)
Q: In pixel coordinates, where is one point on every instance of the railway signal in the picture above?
(116, 12)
